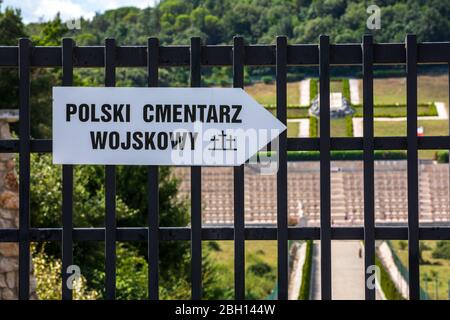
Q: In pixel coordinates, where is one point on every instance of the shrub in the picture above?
(294, 76)
(441, 156)
(312, 126)
(403, 245)
(213, 245)
(47, 271)
(306, 273)
(349, 126)
(260, 269)
(132, 273)
(313, 89)
(389, 155)
(386, 283)
(346, 89)
(267, 79)
(442, 250)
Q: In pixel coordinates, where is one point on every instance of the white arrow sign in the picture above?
(159, 126)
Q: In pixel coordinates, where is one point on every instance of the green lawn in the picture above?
(266, 93)
(260, 266)
(398, 129)
(293, 129)
(389, 91)
(389, 128)
(337, 127)
(432, 88)
(439, 266)
(393, 90)
(335, 86)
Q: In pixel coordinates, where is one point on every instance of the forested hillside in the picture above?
(259, 21)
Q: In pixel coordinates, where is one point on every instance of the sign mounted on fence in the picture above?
(159, 126)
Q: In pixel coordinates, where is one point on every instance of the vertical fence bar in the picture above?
(67, 182)
(282, 212)
(24, 168)
(368, 146)
(325, 188)
(110, 187)
(153, 185)
(239, 217)
(413, 172)
(196, 189)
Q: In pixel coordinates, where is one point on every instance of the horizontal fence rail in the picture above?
(226, 233)
(366, 55)
(293, 144)
(255, 55)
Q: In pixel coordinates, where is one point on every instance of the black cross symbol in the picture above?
(231, 140)
(223, 135)
(214, 140)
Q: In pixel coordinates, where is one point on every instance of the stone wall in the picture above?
(9, 218)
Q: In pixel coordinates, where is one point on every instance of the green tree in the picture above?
(51, 33)
(182, 22)
(11, 29)
(442, 250)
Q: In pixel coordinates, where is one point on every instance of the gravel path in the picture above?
(354, 91)
(358, 128)
(315, 272)
(347, 270)
(441, 110)
(305, 99)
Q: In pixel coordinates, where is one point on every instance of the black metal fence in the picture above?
(365, 54)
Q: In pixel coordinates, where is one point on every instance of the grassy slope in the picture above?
(443, 269)
(260, 251)
(387, 285)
